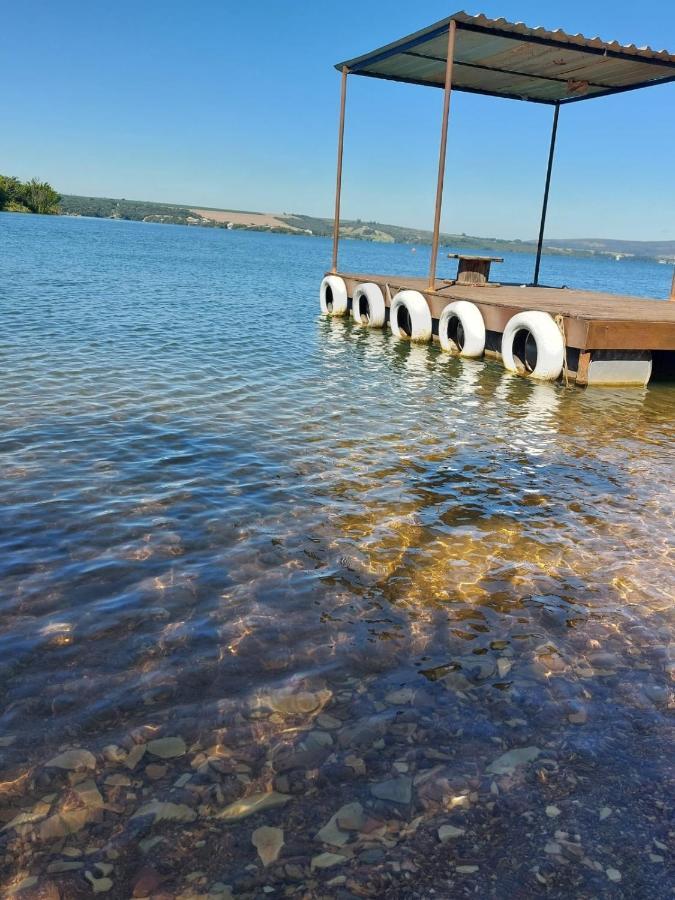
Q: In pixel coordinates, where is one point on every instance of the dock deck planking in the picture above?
(592, 320)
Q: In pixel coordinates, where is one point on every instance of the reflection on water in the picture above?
(292, 608)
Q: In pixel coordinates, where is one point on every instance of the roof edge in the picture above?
(516, 31)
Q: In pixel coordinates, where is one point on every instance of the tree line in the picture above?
(28, 196)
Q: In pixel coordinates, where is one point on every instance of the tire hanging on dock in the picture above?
(532, 345)
(333, 296)
(461, 329)
(409, 317)
(368, 305)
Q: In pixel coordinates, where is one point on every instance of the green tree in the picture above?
(11, 191)
(40, 197)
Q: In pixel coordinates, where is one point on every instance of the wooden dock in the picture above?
(598, 328)
(546, 333)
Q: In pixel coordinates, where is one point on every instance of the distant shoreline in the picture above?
(297, 223)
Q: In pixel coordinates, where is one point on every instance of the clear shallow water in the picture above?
(326, 564)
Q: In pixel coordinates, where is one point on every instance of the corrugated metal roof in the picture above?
(509, 59)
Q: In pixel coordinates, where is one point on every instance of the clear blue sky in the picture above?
(230, 104)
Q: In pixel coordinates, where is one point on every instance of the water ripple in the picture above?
(218, 507)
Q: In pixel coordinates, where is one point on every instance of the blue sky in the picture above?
(227, 104)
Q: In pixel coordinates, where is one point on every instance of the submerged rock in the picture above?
(146, 881)
(73, 760)
(397, 790)
(117, 781)
(114, 754)
(268, 842)
(169, 812)
(63, 865)
(65, 823)
(38, 812)
(508, 762)
(326, 860)
(98, 885)
(247, 806)
(349, 817)
(134, 756)
(503, 667)
(449, 832)
(288, 703)
(167, 747)
(88, 794)
(332, 834)
(400, 697)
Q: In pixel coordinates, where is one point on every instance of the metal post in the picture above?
(338, 183)
(672, 287)
(452, 30)
(542, 224)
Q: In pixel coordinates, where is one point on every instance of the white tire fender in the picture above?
(468, 316)
(333, 296)
(368, 305)
(418, 313)
(546, 335)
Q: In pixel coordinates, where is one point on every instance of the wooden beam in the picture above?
(452, 31)
(582, 367)
(672, 287)
(338, 181)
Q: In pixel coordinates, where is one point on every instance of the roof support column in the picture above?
(338, 183)
(542, 224)
(452, 31)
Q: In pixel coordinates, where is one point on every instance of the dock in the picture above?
(609, 339)
(584, 337)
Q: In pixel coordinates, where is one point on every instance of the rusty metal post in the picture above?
(338, 183)
(452, 31)
(672, 287)
(542, 224)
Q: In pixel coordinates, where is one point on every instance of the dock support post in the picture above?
(452, 30)
(582, 367)
(338, 183)
(542, 224)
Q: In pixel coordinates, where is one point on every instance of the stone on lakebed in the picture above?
(397, 790)
(508, 762)
(167, 747)
(247, 806)
(72, 760)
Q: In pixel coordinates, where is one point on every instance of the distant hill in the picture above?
(642, 249)
(297, 223)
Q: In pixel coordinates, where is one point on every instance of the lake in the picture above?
(290, 608)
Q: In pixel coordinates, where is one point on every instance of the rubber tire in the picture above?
(375, 299)
(420, 316)
(472, 323)
(549, 341)
(338, 305)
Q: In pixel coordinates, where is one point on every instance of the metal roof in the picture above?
(506, 59)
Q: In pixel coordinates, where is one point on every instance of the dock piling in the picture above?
(452, 30)
(338, 182)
